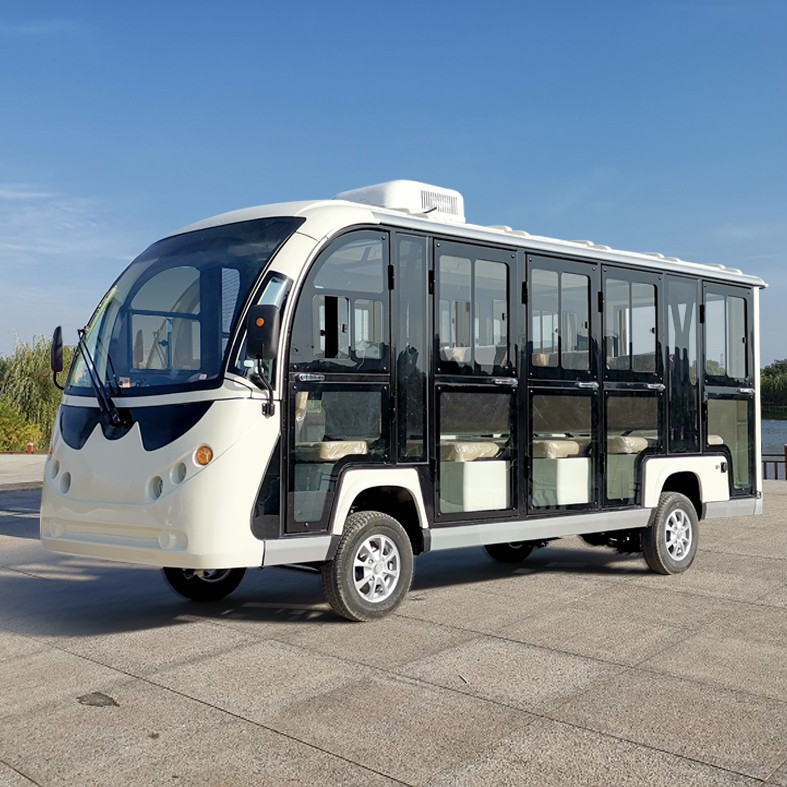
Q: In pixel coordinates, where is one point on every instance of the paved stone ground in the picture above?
(578, 668)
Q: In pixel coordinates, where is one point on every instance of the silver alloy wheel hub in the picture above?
(376, 568)
(206, 574)
(678, 534)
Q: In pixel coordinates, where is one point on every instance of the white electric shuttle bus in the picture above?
(348, 383)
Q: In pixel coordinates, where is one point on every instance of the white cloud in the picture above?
(41, 28)
(757, 230)
(58, 254)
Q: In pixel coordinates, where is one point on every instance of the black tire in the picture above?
(513, 552)
(372, 570)
(669, 542)
(206, 584)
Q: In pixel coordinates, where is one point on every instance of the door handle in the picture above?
(655, 386)
(592, 386)
(311, 378)
(749, 391)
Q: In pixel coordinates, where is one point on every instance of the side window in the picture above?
(559, 319)
(726, 354)
(341, 318)
(472, 312)
(630, 326)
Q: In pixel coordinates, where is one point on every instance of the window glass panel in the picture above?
(455, 298)
(544, 312)
(728, 426)
(332, 326)
(682, 356)
(736, 338)
(274, 293)
(630, 326)
(165, 342)
(715, 334)
(725, 336)
(491, 317)
(173, 290)
(560, 448)
(617, 306)
(331, 426)
(341, 319)
(412, 359)
(475, 451)
(575, 321)
(643, 327)
(356, 266)
(632, 427)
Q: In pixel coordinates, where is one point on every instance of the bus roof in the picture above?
(327, 217)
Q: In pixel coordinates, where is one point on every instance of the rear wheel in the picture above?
(669, 543)
(204, 584)
(372, 569)
(513, 552)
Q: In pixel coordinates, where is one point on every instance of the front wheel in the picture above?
(513, 552)
(372, 569)
(204, 584)
(669, 542)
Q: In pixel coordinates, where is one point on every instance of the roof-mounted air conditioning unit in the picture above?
(413, 197)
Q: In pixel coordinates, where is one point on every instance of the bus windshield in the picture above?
(166, 323)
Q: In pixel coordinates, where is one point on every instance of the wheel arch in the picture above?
(702, 479)
(687, 484)
(396, 493)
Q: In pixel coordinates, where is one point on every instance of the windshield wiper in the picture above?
(105, 403)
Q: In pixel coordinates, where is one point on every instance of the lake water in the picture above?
(774, 437)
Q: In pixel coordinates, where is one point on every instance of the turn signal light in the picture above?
(203, 455)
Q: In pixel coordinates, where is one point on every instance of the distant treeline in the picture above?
(773, 390)
(28, 397)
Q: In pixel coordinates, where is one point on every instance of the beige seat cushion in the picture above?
(330, 450)
(626, 444)
(468, 451)
(555, 449)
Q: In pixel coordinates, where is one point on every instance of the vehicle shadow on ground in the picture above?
(76, 598)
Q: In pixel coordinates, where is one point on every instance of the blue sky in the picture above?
(643, 124)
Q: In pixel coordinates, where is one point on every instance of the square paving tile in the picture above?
(402, 728)
(510, 673)
(731, 730)
(739, 663)
(608, 636)
(155, 737)
(551, 754)
(35, 679)
(742, 578)
(385, 644)
(257, 680)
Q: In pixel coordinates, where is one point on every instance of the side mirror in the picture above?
(56, 355)
(263, 325)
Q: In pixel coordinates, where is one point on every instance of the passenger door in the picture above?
(339, 411)
(729, 381)
(634, 387)
(475, 383)
(563, 384)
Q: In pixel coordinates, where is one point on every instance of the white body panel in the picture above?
(713, 479)
(203, 521)
(356, 481)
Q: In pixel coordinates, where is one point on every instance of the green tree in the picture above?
(15, 430)
(27, 385)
